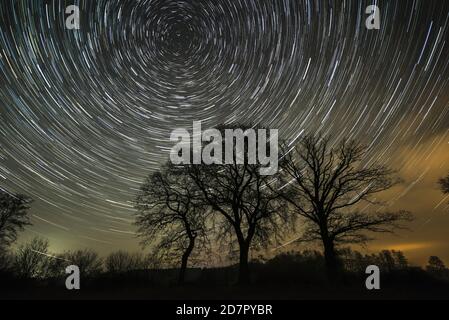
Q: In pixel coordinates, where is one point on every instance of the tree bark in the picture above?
(184, 261)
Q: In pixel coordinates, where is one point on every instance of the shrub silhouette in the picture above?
(122, 262)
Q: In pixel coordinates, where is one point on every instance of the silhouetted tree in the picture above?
(122, 261)
(401, 261)
(387, 261)
(444, 184)
(57, 265)
(13, 216)
(237, 192)
(32, 259)
(170, 216)
(436, 267)
(324, 184)
(88, 261)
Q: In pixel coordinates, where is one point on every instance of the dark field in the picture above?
(271, 282)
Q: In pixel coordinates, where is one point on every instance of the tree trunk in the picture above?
(331, 261)
(184, 260)
(244, 278)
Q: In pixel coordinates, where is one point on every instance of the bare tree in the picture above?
(13, 216)
(122, 261)
(326, 184)
(444, 184)
(245, 208)
(32, 259)
(170, 217)
(435, 263)
(88, 261)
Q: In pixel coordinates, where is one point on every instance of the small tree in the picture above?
(88, 261)
(436, 267)
(170, 216)
(57, 266)
(13, 216)
(400, 260)
(122, 261)
(324, 184)
(32, 259)
(387, 261)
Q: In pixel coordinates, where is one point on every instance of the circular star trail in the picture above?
(86, 114)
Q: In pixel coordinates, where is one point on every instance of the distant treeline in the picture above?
(33, 261)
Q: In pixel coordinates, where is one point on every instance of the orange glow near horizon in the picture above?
(406, 246)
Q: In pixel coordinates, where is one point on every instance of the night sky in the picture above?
(86, 114)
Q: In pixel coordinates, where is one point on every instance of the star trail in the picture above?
(86, 114)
